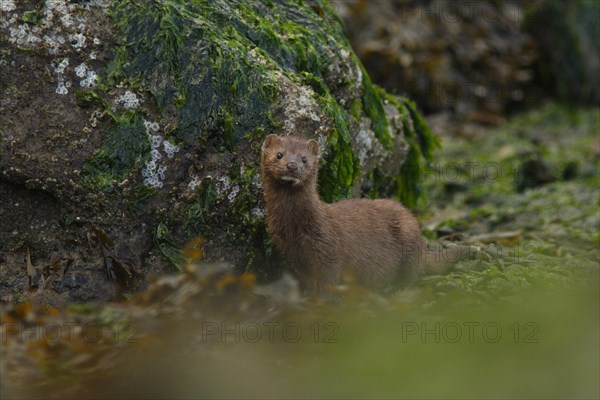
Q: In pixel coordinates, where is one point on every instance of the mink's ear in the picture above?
(313, 146)
(270, 140)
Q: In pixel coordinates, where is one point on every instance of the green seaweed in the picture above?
(167, 246)
(341, 168)
(141, 196)
(558, 221)
(87, 98)
(124, 147)
(373, 105)
(241, 210)
(198, 220)
(214, 62)
(33, 17)
(407, 186)
(191, 55)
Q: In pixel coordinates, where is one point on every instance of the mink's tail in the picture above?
(440, 259)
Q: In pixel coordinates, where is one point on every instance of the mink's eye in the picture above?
(279, 156)
(304, 159)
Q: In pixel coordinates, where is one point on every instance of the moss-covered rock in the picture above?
(147, 117)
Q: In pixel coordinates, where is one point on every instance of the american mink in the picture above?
(379, 242)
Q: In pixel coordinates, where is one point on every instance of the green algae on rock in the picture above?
(226, 66)
(558, 221)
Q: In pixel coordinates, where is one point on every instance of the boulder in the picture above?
(130, 128)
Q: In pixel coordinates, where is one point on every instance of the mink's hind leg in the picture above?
(412, 257)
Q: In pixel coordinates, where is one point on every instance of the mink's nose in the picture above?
(292, 166)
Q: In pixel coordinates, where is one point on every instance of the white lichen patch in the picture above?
(77, 40)
(62, 28)
(61, 88)
(222, 185)
(194, 182)
(233, 194)
(322, 140)
(94, 117)
(82, 71)
(366, 145)
(24, 36)
(7, 5)
(299, 105)
(59, 70)
(154, 169)
(345, 72)
(257, 181)
(170, 149)
(129, 100)
(364, 141)
(359, 74)
(225, 190)
(258, 212)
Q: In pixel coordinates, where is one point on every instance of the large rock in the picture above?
(470, 60)
(129, 128)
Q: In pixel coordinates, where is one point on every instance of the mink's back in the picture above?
(372, 236)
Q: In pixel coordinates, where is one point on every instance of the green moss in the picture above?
(228, 129)
(33, 17)
(407, 186)
(373, 105)
(558, 221)
(198, 221)
(204, 58)
(356, 109)
(240, 212)
(87, 98)
(519, 140)
(141, 196)
(124, 147)
(193, 55)
(315, 82)
(341, 168)
(169, 249)
(197, 56)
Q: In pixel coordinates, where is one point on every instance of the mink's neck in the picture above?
(291, 208)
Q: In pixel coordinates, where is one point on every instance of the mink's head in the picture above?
(290, 160)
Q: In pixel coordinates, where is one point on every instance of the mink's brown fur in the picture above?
(379, 242)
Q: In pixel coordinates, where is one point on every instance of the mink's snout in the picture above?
(292, 166)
